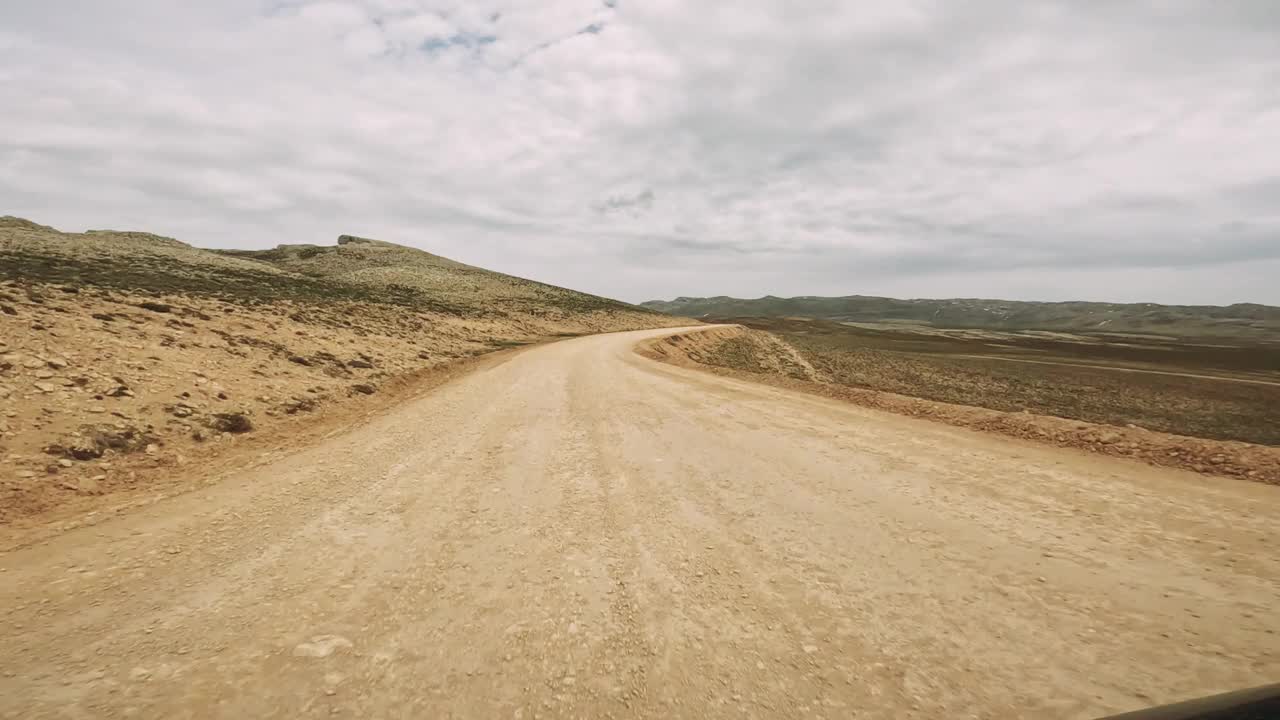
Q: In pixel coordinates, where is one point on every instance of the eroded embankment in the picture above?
(763, 357)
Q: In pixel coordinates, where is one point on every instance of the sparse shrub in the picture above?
(94, 440)
(235, 422)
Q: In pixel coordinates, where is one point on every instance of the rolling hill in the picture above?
(123, 354)
(1244, 321)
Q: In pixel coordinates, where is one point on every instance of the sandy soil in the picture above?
(582, 532)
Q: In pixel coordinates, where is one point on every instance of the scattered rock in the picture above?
(87, 450)
(236, 422)
(45, 387)
(87, 485)
(364, 389)
(362, 364)
(156, 307)
(298, 404)
(322, 646)
(300, 360)
(93, 441)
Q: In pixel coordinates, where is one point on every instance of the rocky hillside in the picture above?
(122, 353)
(1261, 322)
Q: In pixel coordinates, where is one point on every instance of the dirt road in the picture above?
(581, 532)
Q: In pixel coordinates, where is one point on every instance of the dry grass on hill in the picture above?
(125, 353)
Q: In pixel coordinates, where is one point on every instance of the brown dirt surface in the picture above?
(126, 356)
(1223, 390)
(742, 352)
(574, 531)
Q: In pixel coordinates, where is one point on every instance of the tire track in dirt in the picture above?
(579, 532)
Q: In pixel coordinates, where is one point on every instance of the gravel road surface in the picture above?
(582, 532)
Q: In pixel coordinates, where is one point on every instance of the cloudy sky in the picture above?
(1126, 150)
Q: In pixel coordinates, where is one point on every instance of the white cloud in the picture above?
(333, 15)
(649, 149)
(412, 30)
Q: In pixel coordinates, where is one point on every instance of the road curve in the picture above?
(582, 532)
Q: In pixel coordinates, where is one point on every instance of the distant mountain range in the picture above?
(1245, 320)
